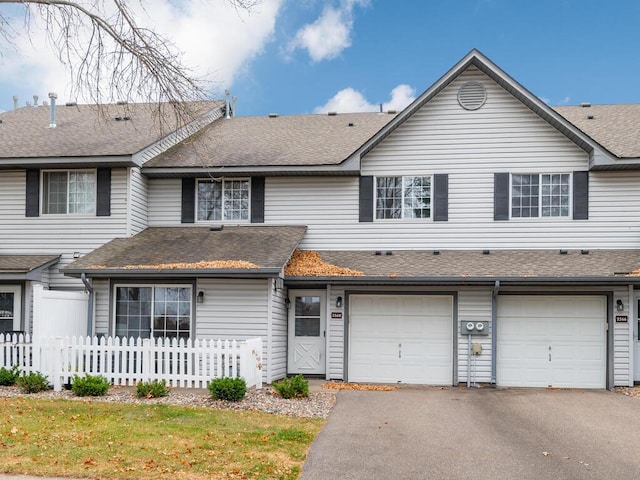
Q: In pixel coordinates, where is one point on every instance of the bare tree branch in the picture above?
(110, 56)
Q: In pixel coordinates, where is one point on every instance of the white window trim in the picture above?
(569, 215)
(17, 303)
(67, 171)
(222, 181)
(402, 217)
(114, 301)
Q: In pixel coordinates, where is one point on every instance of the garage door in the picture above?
(401, 338)
(551, 341)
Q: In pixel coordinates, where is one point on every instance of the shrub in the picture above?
(153, 389)
(9, 376)
(292, 387)
(90, 386)
(227, 388)
(33, 382)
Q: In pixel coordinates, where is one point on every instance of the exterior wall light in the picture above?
(200, 297)
(619, 305)
(339, 302)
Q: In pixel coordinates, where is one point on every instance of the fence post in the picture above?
(56, 364)
(146, 359)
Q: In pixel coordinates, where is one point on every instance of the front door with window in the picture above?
(10, 306)
(307, 323)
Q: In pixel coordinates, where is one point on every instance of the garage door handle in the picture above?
(549, 352)
(399, 350)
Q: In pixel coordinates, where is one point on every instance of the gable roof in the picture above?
(86, 131)
(238, 251)
(615, 127)
(261, 143)
(599, 157)
(468, 267)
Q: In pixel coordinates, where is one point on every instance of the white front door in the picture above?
(307, 327)
(10, 307)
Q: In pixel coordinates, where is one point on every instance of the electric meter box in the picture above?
(474, 328)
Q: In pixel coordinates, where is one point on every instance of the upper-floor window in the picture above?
(540, 195)
(69, 191)
(221, 200)
(403, 197)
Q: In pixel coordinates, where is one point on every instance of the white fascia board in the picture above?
(66, 162)
(176, 136)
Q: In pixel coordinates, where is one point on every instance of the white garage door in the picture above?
(551, 341)
(401, 338)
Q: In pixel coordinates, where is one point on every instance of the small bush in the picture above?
(33, 382)
(153, 389)
(90, 386)
(9, 376)
(292, 387)
(227, 388)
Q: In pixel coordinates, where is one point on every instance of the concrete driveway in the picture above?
(451, 433)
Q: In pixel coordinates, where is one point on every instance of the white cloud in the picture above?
(330, 34)
(349, 100)
(218, 41)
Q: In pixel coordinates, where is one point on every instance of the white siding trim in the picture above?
(631, 333)
(270, 293)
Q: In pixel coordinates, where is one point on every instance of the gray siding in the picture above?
(165, 196)
(138, 205)
(622, 341)
(58, 234)
(102, 321)
(234, 310)
(474, 305)
(279, 335)
(335, 336)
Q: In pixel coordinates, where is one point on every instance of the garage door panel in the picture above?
(407, 338)
(562, 340)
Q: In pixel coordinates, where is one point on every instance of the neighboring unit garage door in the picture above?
(551, 341)
(401, 338)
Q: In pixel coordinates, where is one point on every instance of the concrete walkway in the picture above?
(450, 433)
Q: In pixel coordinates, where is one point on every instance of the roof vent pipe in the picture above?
(52, 118)
(15, 102)
(227, 112)
(35, 100)
(234, 100)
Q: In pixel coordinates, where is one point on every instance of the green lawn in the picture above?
(127, 441)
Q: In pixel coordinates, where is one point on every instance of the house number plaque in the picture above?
(336, 314)
(622, 319)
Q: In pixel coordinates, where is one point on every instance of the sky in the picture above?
(314, 56)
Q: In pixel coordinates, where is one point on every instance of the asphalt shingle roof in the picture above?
(24, 263)
(498, 264)
(178, 249)
(615, 127)
(300, 140)
(86, 130)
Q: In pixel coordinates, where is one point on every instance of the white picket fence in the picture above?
(181, 363)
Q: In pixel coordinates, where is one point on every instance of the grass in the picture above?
(125, 441)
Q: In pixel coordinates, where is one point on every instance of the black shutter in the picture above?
(501, 196)
(257, 200)
(32, 193)
(188, 200)
(581, 195)
(366, 199)
(441, 197)
(103, 192)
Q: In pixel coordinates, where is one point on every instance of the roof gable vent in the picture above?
(472, 95)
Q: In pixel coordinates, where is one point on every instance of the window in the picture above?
(540, 195)
(403, 197)
(223, 200)
(72, 191)
(153, 311)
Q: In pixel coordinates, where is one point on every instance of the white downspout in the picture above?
(494, 338)
(89, 288)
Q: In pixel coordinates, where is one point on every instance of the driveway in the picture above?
(451, 433)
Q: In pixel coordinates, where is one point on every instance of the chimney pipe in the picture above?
(52, 119)
(35, 100)
(15, 102)
(228, 114)
(234, 99)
